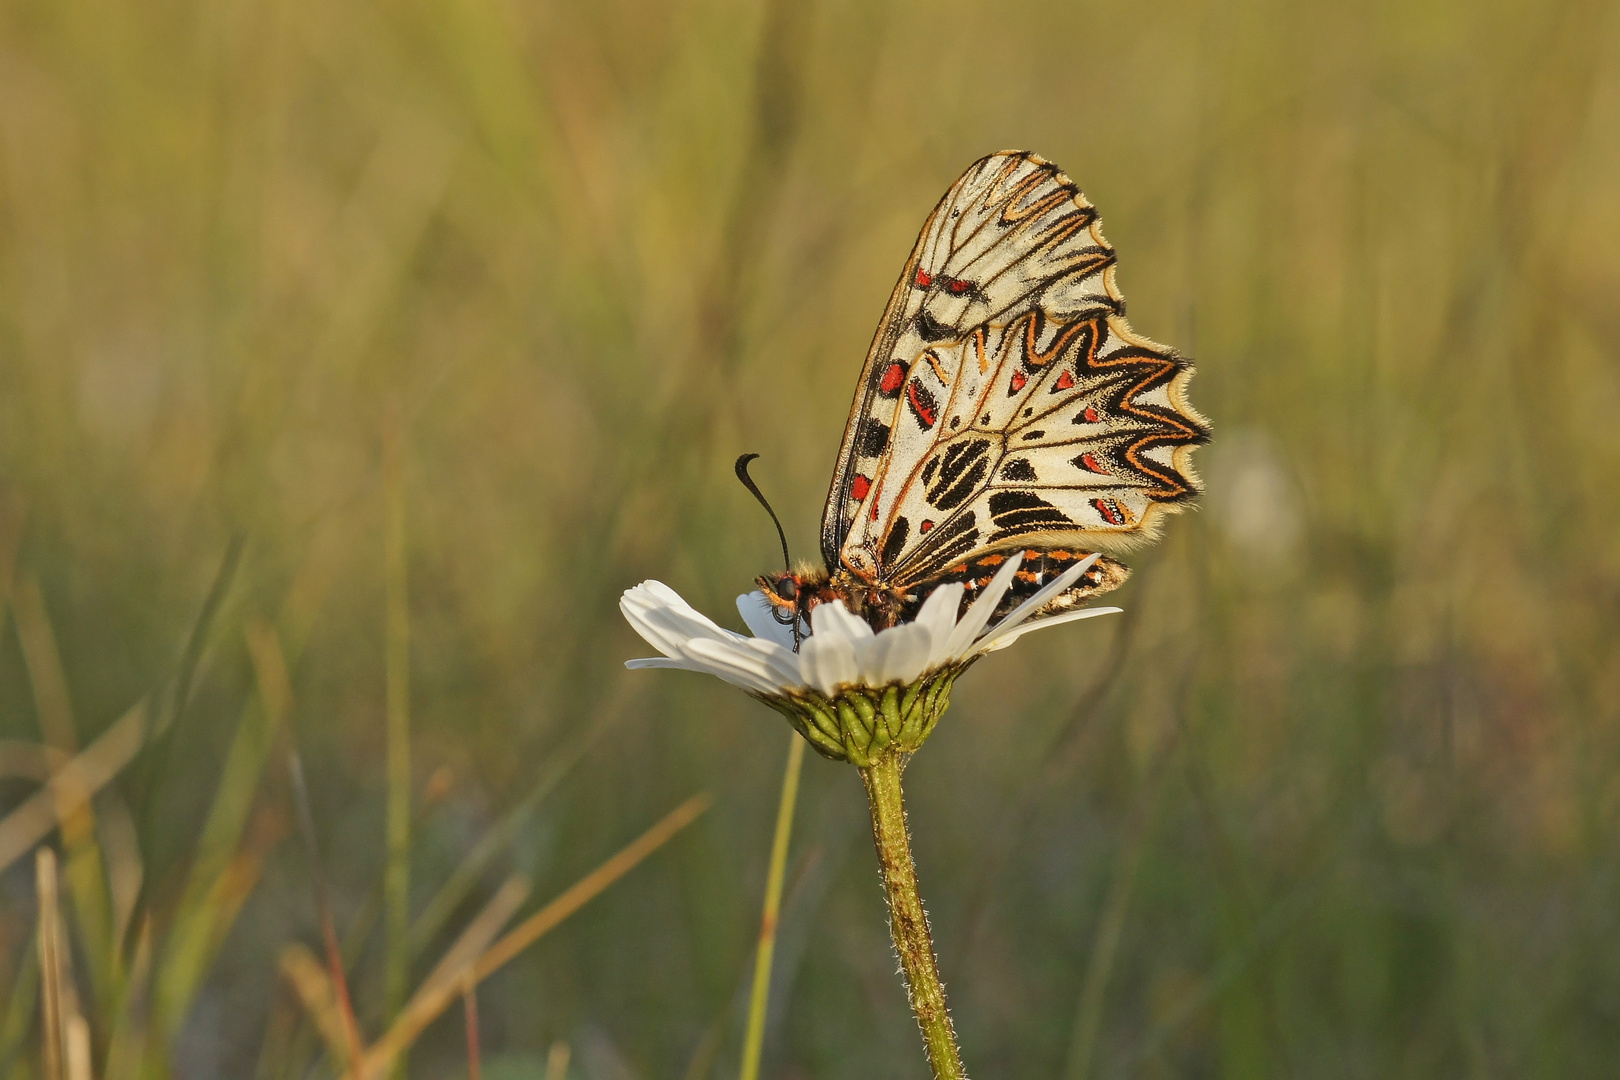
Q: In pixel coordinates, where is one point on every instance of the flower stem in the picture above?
(907, 920)
(754, 1041)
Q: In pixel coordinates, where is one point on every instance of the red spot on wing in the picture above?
(859, 487)
(927, 524)
(892, 378)
(1090, 416)
(1089, 463)
(1065, 381)
(923, 279)
(958, 286)
(1109, 511)
(923, 403)
(1018, 381)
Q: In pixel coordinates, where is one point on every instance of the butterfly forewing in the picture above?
(1005, 401)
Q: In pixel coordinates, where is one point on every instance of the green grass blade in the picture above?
(192, 942)
(397, 674)
(759, 998)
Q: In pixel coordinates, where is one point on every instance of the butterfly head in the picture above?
(781, 591)
(791, 595)
(795, 593)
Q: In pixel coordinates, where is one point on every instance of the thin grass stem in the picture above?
(334, 953)
(83, 867)
(50, 965)
(759, 999)
(1110, 929)
(469, 1008)
(557, 1061)
(20, 1004)
(397, 675)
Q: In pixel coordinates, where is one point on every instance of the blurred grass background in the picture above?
(1337, 797)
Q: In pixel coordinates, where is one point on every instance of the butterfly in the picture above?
(1005, 405)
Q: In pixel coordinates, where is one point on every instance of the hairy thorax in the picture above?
(794, 595)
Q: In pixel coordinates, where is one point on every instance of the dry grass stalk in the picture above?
(430, 1001)
(73, 786)
(469, 1003)
(478, 935)
(77, 1039)
(557, 1059)
(50, 967)
(344, 1004)
(309, 980)
(65, 1035)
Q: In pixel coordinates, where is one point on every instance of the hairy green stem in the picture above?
(759, 1000)
(907, 920)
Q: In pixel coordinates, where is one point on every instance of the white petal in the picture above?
(698, 665)
(661, 662)
(670, 629)
(1044, 595)
(834, 620)
(757, 612)
(938, 615)
(1000, 639)
(743, 667)
(898, 654)
(979, 612)
(692, 642)
(662, 593)
(645, 608)
(783, 663)
(827, 662)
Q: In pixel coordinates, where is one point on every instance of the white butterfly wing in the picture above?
(1005, 401)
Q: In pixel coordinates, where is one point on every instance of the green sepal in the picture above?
(890, 707)
(866, 707)
(826, 719)
(809, 722)
(865, 724)
(909, 701)
(850, 721)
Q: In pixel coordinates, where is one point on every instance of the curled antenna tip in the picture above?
(753, 488)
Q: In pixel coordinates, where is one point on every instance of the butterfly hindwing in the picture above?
(1036, 570)
(1005, 401)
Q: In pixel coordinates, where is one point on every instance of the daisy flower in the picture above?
(852, 692)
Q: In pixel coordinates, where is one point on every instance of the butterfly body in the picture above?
(795, 594)
(1005, 405)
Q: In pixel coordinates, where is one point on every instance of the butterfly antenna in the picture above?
(748, 482)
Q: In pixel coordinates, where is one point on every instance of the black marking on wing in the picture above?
(931, 329)
(1019, 470)
(1019, 513)
(896, 542)
(947, 542)
(962, 470)
(922, 403)
(875, 439)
